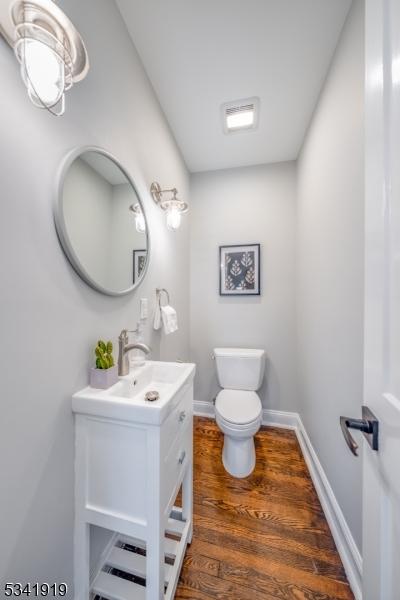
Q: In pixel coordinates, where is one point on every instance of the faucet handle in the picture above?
(123, 336)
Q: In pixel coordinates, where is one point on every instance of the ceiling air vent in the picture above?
(240, 115)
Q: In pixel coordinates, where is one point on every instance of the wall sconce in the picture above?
(140, 222)
(49, 49)
(174, 207)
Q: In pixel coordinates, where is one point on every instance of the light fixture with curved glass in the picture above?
(174, 207)
(49, 49)
(140, 222)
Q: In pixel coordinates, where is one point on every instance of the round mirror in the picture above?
(101, 223)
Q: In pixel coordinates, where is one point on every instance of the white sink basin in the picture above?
(126, 399)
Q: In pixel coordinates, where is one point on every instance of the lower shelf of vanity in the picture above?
(123, 575)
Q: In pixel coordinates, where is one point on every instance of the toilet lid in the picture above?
(238, 406)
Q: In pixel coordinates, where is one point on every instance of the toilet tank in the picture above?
(240, 368)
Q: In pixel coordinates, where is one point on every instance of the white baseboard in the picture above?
(347, 548)
(280, 418)
(204, 409)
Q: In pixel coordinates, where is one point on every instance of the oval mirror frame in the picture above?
(62, 230)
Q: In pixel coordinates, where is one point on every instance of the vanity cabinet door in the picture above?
(113, 483)
(174, 465)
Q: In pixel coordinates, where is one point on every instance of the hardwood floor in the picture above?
(260, 538)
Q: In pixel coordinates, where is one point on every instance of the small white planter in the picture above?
(103, 378)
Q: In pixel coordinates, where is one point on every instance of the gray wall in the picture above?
(50, 319)
(239, 206)
(330, 268)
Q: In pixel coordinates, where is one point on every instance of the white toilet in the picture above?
(238, 409)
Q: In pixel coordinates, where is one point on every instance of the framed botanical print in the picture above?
(239, 270)
(139, 263)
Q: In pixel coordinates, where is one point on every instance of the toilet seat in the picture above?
(238, 407)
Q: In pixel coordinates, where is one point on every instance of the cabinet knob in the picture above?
(182, 457)
(182, 416)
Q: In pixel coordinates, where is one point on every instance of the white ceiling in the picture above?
(200, 54)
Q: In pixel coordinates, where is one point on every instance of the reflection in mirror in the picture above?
(97, 226)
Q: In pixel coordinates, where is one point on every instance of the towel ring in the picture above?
(159, 292)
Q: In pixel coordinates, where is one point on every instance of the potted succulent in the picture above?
(105, 374)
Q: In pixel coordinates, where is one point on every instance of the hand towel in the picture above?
(169, 319)
(157, 318)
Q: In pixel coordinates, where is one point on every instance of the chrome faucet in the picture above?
(123, 349)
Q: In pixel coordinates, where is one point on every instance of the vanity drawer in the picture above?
(175, 462)
(178, 419)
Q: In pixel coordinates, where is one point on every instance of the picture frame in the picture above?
(139, 263)
(239, 270)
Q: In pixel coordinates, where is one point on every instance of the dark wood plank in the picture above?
(216, 587)
(264, 537)
(251, 567)
(270, 545)
(198, 585)
(258, 489)
(201, 562)
(266, 459)
(205, 454)
(272, 520)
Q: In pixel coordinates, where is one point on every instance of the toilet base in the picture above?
(239, 456)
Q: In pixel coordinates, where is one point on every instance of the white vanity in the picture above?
(131, 458)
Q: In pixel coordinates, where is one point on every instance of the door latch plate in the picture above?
(372, 437)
